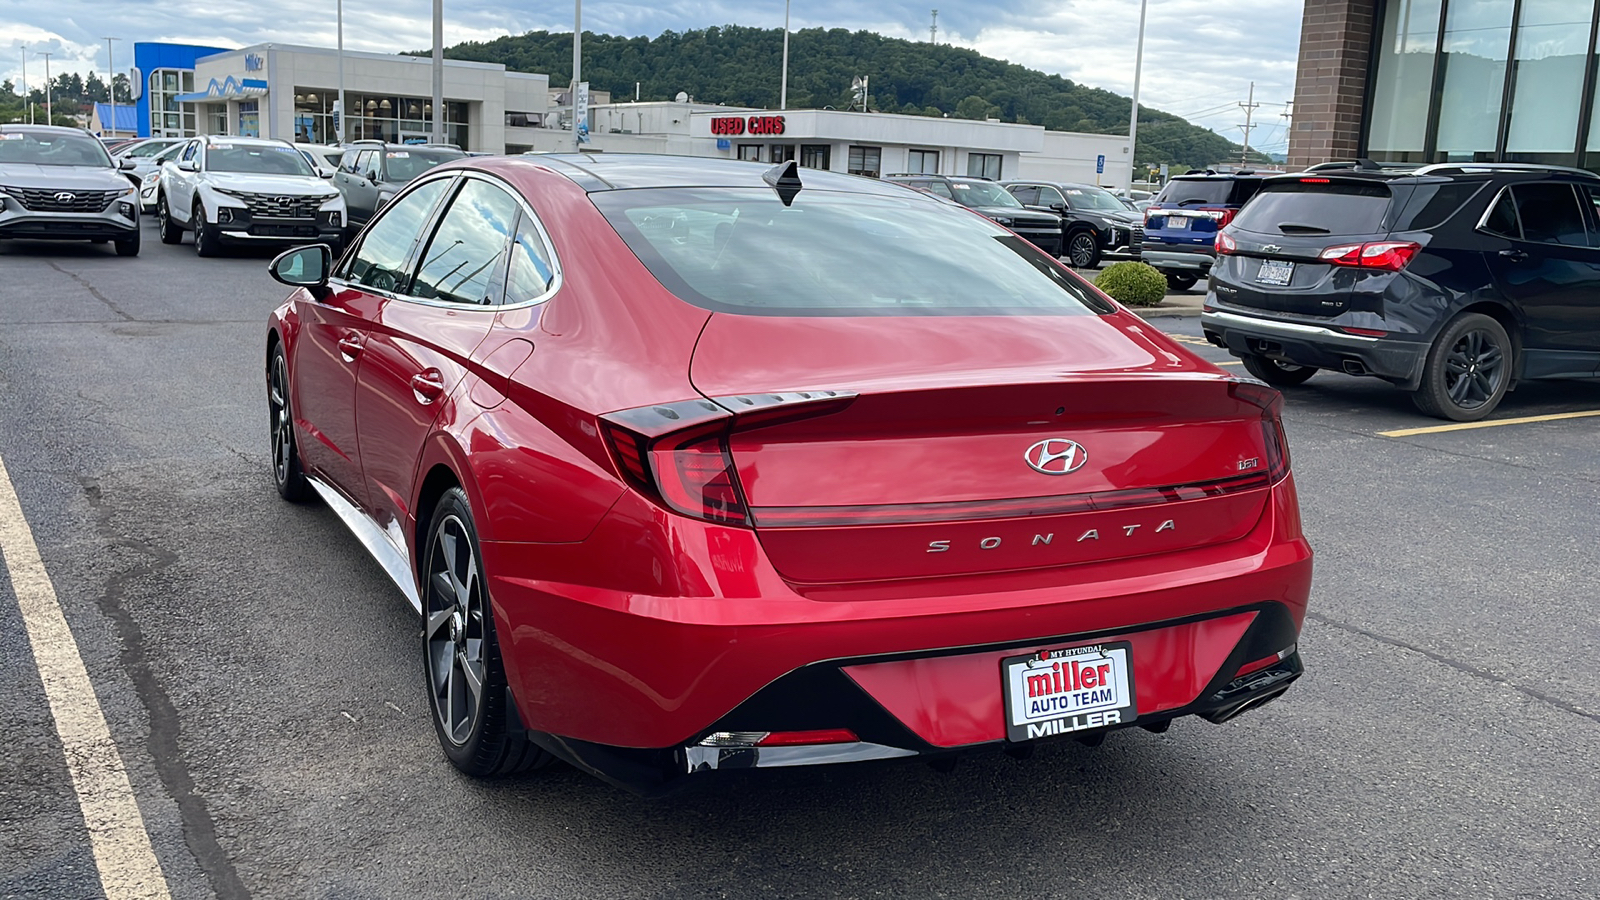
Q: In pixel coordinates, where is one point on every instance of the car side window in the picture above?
(529, 270)
(1550, 214)
(347, 162)
(188, 151)
(383, 257)
(1591, 197)
(940, 188)
(1502, 218)
(366, 164)
(1026, 194)
(463, 262)
(1049, 196)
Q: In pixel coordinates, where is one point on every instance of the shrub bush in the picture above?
(1133, 283)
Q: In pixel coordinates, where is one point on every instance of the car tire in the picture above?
(1083, 249)
(1277, 374)
(459, 648)
(1181, 281)
(171, 232)
(287, 475)
(129, 246)
(1467, 371)
(207, 242)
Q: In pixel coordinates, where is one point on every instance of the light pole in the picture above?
(577, 71)
(438, 72)
(1133, 118)
(25, 83)
(783, 92)
(111, 84)
(338, 114)
(49, 119)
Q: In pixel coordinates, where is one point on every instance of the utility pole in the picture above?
(577, 71)
(338, 112)
(1249, 107)
(933, 29)
(25, 83)
(1133, 117)
(438, 73)
(783, 91)
(111, 83)
(49, 119)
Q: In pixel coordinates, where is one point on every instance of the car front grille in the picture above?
(280, 206)
(46, 200)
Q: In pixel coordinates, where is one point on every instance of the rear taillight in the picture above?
(695, 476)
(1386, 256)
(1271, 404)
(1226, 217)
(1225, 244)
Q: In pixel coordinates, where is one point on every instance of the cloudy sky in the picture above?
(1200, 55)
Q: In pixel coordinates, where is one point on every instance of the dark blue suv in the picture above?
(1181, 225)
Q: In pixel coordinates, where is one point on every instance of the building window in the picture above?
(815, 156)
(384, 117)
(866, 161)
(1547, 77)
(168, 117)
(922, 162)
(780, 153)
(1477, 40)
(984, 165)
(750, 152)
(249, 118)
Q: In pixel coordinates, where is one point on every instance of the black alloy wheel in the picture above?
(461, 658)
(171, 232)
(129, 246)
(1083, 249)
(287, 475)
(1277, 373)
(206, 240)
(1181, 281)
(1467, 371)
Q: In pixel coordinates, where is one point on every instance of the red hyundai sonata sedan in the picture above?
(693, 465)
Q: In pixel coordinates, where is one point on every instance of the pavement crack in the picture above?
(93, 291)
(1474, 671)
(166, 752)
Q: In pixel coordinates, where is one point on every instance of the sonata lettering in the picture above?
(1093, 534)
(733, 126)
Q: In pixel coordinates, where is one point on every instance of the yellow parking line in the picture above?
(1466, 426)
(1231, 362)
(122, 852)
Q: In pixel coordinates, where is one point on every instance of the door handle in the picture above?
(350, 348)
(427, 386)
(1514, 255)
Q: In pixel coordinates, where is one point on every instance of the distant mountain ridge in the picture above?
(739, 66)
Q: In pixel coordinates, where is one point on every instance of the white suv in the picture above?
(246, 189)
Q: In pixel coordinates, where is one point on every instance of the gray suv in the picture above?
(371, 172)
(60, 184)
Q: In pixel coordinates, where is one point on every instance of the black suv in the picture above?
(1451, 281)
(371, 172)
(1094, 223)
(1042, 229)
(1181, 224)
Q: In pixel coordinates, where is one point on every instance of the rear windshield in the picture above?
(1299, 208)
(52, 149)
(741, 250)
(982, 193)
(257, 159)
(404, 165)
(1209, 191)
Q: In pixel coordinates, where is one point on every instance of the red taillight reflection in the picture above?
(695, 476)
(800, 738)
(1387, 256)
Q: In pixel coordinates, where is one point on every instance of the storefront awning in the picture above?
(227, 89)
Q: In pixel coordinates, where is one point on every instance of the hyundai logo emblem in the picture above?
(284, 200)
(66, 197)
(1056, 456)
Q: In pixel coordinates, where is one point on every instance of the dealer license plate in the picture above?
(1061, 691)
(1275, 272)
(1177, 223)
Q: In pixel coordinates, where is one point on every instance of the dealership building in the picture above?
(289, 92)
(1448, 81)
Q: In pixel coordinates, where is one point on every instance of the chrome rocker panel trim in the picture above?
(394, 560)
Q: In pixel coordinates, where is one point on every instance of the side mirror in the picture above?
(188, 165)
(1059, 207)
(324, 172)
(306, 267)
(127, 164)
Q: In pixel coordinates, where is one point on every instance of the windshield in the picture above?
(1093, 198)
(404, 165)
(983, 193)
(52, 149)
(837, 254)
(256, 159)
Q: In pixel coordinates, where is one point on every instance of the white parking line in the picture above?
(128, 866)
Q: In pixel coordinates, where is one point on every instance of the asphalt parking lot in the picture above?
(259, 678)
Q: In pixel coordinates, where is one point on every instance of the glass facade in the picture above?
(384, 117)
(1484, 81)
(168, 117)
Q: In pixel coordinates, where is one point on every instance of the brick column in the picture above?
(1331, 82)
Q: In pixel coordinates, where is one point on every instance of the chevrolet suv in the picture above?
(1095, 224)
(1451, 281)
(371, 172)
(245, 189)
(1181, 224)
(990, 200)
(60, 184)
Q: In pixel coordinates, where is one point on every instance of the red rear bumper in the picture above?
(626, 668)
